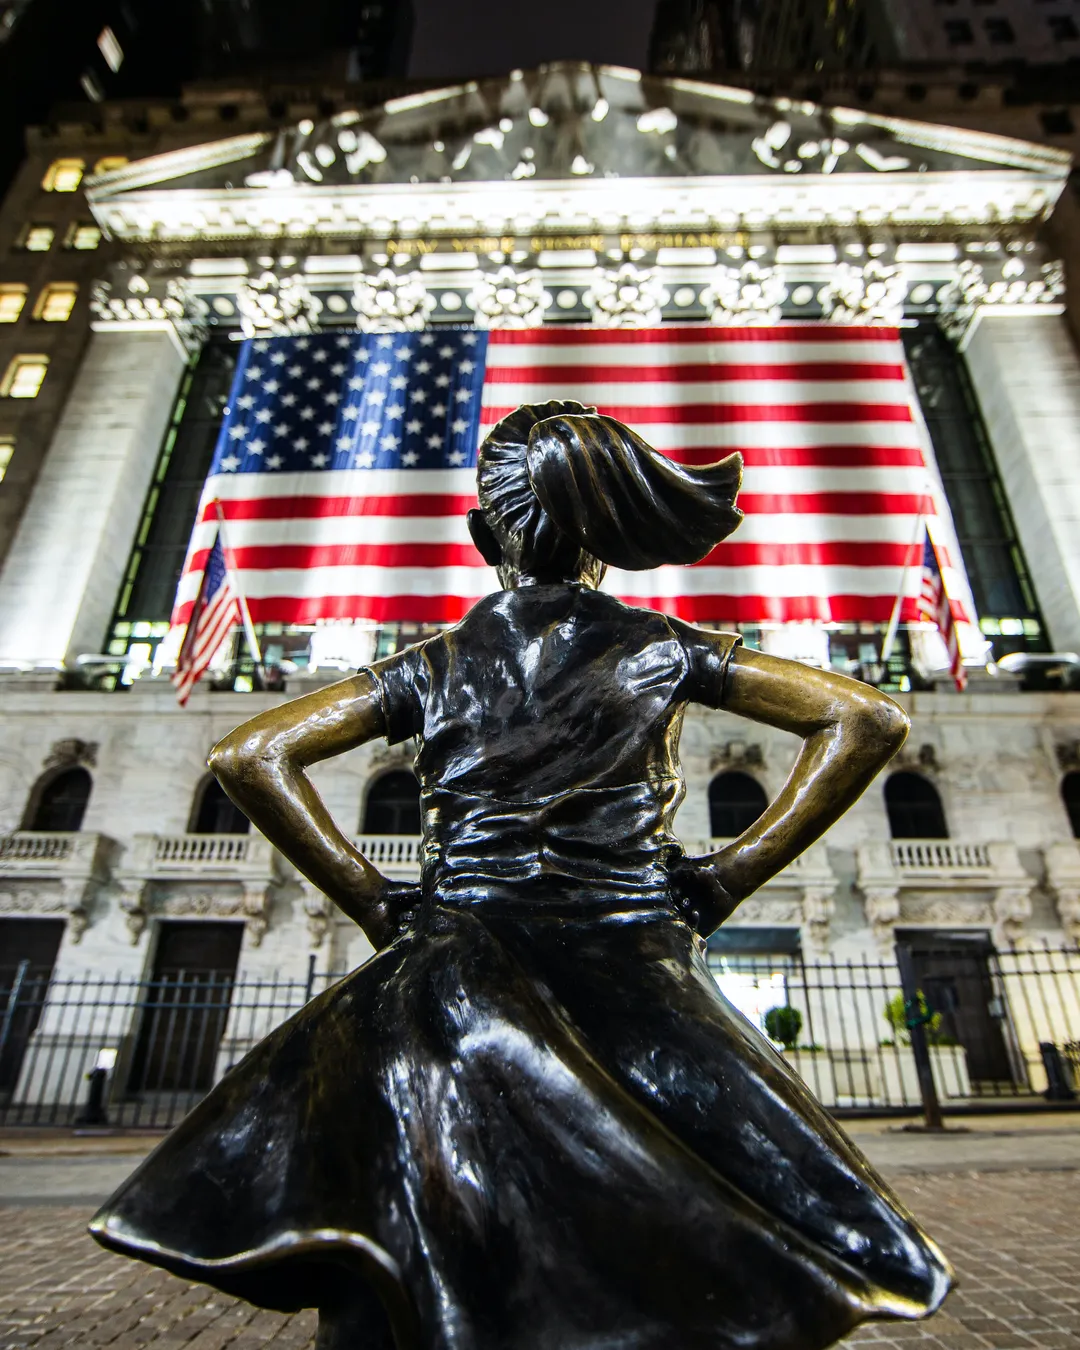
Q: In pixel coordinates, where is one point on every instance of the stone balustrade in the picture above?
(46, 874)
(209, 875)
(941, 883)
(948, 856)
(398, 855)
(946, 883)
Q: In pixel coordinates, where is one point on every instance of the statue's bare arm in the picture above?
(261, 765)
(850, 732)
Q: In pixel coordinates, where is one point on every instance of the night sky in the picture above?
(490, 37)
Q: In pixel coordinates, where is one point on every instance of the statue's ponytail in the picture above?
(562, 486)
(622, 501)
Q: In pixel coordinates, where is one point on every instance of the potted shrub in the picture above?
(948, 1060)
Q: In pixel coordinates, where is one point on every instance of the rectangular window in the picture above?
(64, 175)
(36, 238)
(158, 557)
(92, 86)
(959, 32)
(109, 163)
(7, 449)
(1057, 122)
(993, 560)
(12, 299)
(56, 301)
(1063, 28)
(24, 376)
(110, 49)
(83, 235)
(999, 31)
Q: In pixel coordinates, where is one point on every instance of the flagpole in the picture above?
(234, 575)
(894, 617)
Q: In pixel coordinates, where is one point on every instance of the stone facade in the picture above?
(1009, 866)
(88, 446)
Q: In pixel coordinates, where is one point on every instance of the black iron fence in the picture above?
(992, 1028)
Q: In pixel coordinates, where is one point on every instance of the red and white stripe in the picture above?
(934, 607)
(836, 477)
(215, 621)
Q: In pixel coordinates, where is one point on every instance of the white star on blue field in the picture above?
(355, 401)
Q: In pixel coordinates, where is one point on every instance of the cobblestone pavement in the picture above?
(1012, 1235)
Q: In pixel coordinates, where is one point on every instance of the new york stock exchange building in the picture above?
(200, 328)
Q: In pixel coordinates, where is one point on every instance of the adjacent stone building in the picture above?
(135, 252)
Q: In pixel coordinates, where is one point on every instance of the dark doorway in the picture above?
(393, 805)
(1070, 795)
(186, 1006)
(215, 814)
(735, 801)
(60, 803)
(955, 973)
(914, 807)
(28, 949)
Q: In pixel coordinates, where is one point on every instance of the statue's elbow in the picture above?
(892, 725)
(231, 760)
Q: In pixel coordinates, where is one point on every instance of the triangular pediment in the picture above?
(573, 121)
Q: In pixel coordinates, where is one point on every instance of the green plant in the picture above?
(783, 1025)
(897, 1016)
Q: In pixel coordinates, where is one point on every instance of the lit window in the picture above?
(110, 49)
(12, 299)
(56, 301)
(7, 449)
(24, 377)
(83, 235)
(109, 163)
(64, 175)
(37, 238)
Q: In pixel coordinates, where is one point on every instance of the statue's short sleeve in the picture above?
(401, 681)
(708, 656)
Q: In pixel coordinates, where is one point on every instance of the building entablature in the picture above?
(582, 193)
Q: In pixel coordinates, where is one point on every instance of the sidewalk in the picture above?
(61, 1167)
(1002, 1200)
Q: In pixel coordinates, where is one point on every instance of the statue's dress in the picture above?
(534, 1122)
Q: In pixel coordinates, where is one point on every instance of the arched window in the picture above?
(393, 805)
(213, 813)
(735, 802)
(60, 803)
(1070, 795)
(914, 808)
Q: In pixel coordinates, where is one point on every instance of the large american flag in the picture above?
(346, 463)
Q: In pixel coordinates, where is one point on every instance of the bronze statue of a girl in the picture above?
(531, 1121)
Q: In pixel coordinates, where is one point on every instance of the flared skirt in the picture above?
(527, 1131)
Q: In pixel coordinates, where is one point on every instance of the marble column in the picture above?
(61, 578)
(1026, 375)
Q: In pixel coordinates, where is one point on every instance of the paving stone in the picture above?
(1012, 1236)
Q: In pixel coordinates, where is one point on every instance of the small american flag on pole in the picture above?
(215, 612)
(934, 607)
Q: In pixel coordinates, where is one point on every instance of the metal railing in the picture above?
(1001, 1029)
